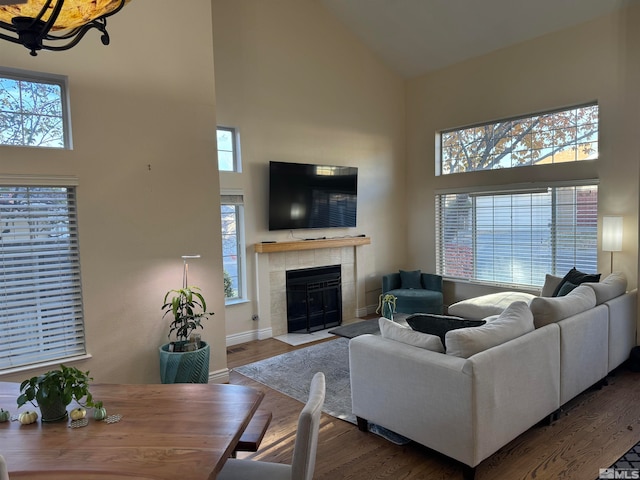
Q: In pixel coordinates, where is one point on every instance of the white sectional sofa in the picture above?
(468, 408)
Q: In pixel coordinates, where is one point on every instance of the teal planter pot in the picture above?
(185, 367)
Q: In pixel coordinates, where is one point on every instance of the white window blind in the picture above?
(515, 237)
(41, 317)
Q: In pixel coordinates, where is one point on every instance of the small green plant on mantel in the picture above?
(188, 308)
(54, 390)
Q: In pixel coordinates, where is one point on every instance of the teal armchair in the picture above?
(416, 292)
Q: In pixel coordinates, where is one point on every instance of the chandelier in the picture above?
(55, 24)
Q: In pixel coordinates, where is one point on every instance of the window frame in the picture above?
(235, 141)
(468, 271)
(555, 149)
(235, 198)
(70, 313)
(61, 81)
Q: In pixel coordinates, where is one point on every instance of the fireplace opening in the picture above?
(314, 299)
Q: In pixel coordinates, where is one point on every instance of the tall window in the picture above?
(516, 237)
(231, 210)
(228, 150)
(41, 316)
(33, 110)
(553, 137)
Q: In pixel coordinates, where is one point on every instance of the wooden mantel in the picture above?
(267, 247)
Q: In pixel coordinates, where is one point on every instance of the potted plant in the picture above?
(54, 390)
(185, 360)
(188, 308)
(387, 305)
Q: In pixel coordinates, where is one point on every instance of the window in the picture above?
(515, 237)
(41, 316)
(33, 110)
(231, 211)
(228, 150)
(553, 137)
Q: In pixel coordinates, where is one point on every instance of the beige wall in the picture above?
(595, 61)
(301, 88)
(144, 153)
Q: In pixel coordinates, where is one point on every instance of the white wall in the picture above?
(594, 61)
(143, 114)
(301, 88)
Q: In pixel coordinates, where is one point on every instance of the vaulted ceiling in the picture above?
(414, 37)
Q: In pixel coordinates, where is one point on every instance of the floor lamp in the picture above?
(611, 235)
(185, 269)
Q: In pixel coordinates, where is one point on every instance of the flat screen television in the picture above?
(311, 196)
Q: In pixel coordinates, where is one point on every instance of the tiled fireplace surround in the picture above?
(273, 265)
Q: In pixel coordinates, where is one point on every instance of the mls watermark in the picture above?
(624, 473)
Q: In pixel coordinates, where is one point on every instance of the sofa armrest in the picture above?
(432, 281)
(409, 390)
(390, 281)
(464, 408)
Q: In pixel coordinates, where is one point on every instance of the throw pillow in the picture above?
(410, 279)
(394, 331)
(566, 288)
(553, 309)
(493, 304)
(515, 321)
(551, 282)
(611, 287)
(576, 277)
(439, 324)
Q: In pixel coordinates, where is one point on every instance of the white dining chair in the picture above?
(304, 450)
(4, 473)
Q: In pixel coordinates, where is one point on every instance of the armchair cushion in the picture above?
(410, 279)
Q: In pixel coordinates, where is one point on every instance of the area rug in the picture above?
(359, 328)
(627, 466)
(291, 373)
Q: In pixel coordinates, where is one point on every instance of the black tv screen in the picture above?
(311, 196)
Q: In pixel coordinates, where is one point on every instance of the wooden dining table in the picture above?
(174, 431)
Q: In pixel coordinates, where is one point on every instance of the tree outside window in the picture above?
(33, 110)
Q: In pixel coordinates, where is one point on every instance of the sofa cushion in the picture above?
(611, 287)
(410, 279)
(439, 325)
(551, 282)
(553, 309)
(394, 331)
(493, 304)
(576, 277)
(513, 322)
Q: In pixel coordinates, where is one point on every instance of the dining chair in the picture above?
(4, 474)
(304, 450)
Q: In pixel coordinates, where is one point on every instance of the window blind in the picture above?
(516, 238)
(41, 315)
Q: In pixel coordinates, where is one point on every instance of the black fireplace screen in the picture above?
(314, 299)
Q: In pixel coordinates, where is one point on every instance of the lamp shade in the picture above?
(611, 234)
(74, 13)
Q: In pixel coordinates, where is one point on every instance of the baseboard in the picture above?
(251, 335)
(219, 376)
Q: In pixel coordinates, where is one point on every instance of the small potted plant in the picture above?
(54, 390)
(188, 308)
(387, 305)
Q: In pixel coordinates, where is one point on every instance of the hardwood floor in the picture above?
(592, 432)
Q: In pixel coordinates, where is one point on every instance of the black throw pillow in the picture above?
(439, 324)
(576, 277)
